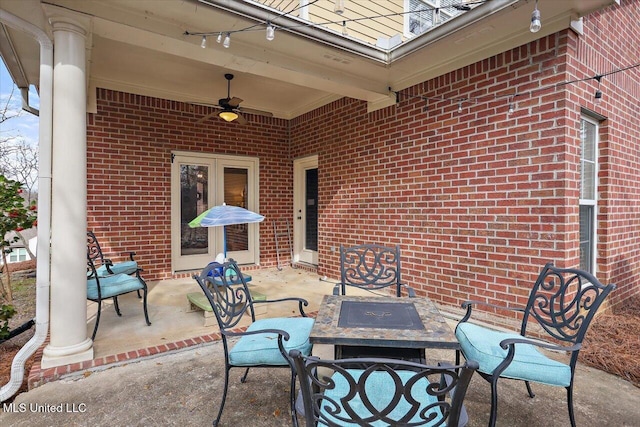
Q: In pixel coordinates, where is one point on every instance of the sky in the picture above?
(22, 124)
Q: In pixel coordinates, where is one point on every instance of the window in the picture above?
(426, 14)
(17, 255)
(588, 192)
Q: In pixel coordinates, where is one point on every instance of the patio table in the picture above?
(370, 326)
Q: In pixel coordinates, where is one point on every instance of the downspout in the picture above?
(43, 265)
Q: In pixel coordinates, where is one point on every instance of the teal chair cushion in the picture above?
(262, 349)
(113, 285)
(125, 267)
(483, 345)
(380, 390)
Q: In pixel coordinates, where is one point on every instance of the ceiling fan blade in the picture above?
(207, 117)
(256, 112)
(241, 120)
(234, 102)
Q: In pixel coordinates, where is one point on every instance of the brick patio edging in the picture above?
(38, 376)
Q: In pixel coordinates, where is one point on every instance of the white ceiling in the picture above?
(140, 47)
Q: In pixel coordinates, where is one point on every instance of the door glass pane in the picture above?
(194, 187)
(236, 182)
(311, 210)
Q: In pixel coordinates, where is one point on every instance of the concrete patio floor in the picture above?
(165, 375)
(184, 388)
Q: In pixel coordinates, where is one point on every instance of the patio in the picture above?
(169, 373)
(181, 388)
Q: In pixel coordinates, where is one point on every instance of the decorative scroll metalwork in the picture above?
(228, 294)
(368, 392)
(371, 267)
(563, 302)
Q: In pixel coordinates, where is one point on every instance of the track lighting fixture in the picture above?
(344, 28)
(460, 107)
(339, 7)
(536, 24)
(203, 44)
(227, 41)
(271, 32)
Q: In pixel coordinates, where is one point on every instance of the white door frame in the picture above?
(300, 253)
(216, 164)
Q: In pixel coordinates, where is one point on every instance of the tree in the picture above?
(15, 215)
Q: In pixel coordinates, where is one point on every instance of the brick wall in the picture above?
(478, 200)
(610, 42)
(130, 140)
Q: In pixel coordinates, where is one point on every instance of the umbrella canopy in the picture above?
(225, 215)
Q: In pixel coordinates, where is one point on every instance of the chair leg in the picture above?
(572, 417)
(144, 306)
(531, 393)
(494, 402)
(95, 328)
(244, 377)
(116, 306)
(294, 417)
(224, 396)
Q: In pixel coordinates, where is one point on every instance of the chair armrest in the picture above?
(131, 255)
(301, 302)
(469, 306)
(280, 332)
(512, 341)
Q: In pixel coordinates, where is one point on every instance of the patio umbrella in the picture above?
(223, 215)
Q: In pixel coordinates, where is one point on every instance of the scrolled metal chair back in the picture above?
(227, 292)
(94, 252)
(563, 302)
(370, 266)
(381, 391)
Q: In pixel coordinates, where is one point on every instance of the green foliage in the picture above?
(6, 313)
(15, 215)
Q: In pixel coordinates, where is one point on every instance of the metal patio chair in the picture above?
(106, 265)
(562, 303)
(386, 392)
(371, 267)
(100, 288)
(266, 342)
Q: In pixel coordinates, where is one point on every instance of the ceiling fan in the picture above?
(230, 107)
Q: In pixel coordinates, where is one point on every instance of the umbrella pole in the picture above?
(224, 241)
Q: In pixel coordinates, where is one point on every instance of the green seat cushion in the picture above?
(262, 349)
(113, 285)
(380, 390)
(125, 267)
(483, 345)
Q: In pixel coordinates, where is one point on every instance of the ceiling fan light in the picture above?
(228, 115)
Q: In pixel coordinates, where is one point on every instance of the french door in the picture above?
(305, 201)
(199, 182)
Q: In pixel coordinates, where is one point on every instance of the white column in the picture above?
(68, 314)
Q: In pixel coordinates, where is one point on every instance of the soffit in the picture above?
(140, 46)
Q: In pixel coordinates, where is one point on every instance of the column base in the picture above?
(58, 356)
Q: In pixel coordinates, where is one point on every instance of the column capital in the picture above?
(66, 23)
